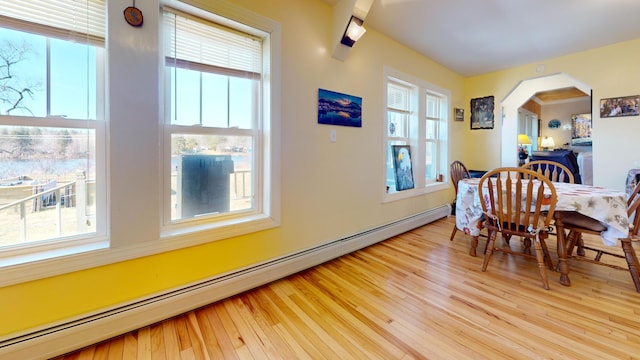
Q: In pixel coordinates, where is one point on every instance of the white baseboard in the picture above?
(76, 333)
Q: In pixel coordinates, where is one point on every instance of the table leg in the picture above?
(563, 267)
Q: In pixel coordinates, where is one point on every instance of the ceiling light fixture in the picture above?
(353, 32)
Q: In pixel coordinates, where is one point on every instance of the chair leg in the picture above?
(541, 263)
(580, 243)
(453, 233)
(632, 262)
(575, 239)
(526, 246)
(491, 238)
(506, 238)
(547, 256)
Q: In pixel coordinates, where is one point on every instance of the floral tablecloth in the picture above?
(605, 205)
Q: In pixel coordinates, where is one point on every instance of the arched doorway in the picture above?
(519, 95)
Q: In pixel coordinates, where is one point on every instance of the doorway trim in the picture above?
(518, 96)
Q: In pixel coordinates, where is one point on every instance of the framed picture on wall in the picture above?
(482, 113)
(459, 114)
(339, 109)
(402, 167)
(620, 106)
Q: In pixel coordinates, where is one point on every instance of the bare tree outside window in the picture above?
(15, 87)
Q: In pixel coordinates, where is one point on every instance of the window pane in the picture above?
(241, 105)
(398, 124)
(215, 107)
(22, 74)
(73, 80)
(211, 174)
(185, 97)
(23, 77)
(433, 106)
(47, 179)
(212, 100)
(430, 161)
(431, 129)
(398, 97)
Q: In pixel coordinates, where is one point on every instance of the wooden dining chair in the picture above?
(457, 172)
(518, 202)
(554, 171)
(578, 224)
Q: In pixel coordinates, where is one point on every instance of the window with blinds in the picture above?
(51, 122)
(76, 20)
(213, 126)
(210, 47)
(417, 116)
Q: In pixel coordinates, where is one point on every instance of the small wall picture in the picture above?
(339, 109)
(402, 167)
(482, 113)
(459, 114)
(620, 106)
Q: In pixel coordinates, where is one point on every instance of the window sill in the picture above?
(36, 265)
(194, 234)
(406, 194)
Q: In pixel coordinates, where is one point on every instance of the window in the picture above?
(417, 117)
(216, 122)
(52, 126)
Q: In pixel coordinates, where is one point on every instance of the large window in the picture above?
(415, 128)
(52, 128)
(214, 129)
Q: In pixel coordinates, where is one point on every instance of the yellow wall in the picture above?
(610, 71)
(329, 190)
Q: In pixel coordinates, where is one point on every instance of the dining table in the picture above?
(608, 206)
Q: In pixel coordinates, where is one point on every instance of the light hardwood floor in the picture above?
(414, 296)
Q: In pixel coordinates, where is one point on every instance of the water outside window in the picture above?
(50, 85)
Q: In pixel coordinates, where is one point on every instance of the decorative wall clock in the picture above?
(133, 15)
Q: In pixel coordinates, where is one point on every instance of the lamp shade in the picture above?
(523, 139)
(547, 142)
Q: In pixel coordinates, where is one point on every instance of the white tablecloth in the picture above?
(585, 164)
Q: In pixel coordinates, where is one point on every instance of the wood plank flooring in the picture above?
(414, 296)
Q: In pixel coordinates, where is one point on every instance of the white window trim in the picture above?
(417, 145)
(267, 215)
(81, 243)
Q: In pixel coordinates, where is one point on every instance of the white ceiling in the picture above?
(474, 37)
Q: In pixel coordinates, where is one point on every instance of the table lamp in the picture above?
(523, 139)
(547, 142)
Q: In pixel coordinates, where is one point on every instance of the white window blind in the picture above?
(193, 42)
(77, 20)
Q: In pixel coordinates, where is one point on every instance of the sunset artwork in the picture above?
(339, 109)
